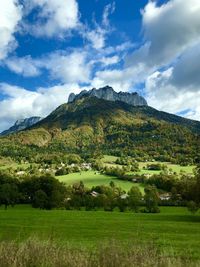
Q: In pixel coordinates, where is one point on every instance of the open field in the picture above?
(173, 228)
(175, 167)
(110, 161)
(94, 178)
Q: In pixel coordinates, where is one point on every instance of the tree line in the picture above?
(44, 191)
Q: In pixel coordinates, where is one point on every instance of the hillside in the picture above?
(90, 123)
(89, 109)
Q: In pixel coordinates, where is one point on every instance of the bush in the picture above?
(192, 207)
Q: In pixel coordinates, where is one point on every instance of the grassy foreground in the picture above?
(35, 253)
(173, 229)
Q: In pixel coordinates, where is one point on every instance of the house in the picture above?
(21, 173)
(94, 194)
(124, 196)
(86, 166)
(165, 196)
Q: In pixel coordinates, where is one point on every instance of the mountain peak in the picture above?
(21, 124)
(108, 93)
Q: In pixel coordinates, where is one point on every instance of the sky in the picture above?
(51, 48)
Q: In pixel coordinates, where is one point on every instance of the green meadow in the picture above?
(172, 229)
(94, 178)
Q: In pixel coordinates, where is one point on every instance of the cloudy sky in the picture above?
(50, 48)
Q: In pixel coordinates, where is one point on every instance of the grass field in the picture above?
(92, 178)
(110, 161)
(175, 167)
(173, 228)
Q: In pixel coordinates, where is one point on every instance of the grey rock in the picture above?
(107, 93)
(21, 125)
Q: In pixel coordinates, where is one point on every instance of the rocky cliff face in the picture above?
(21, 125)
(107, 93)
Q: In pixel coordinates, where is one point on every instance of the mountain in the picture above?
(107, 93)
(21, 125)
(113, 127)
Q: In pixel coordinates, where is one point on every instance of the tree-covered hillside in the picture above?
(91, 124)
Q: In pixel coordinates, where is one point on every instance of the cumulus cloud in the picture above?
(163, 95)
(10, 15)
(169, 31)
(65, 67)
(25, 66)
(171, 42)
(186, 71)
(171, 28)
(70, 68)
(23, 103)
(54, 17)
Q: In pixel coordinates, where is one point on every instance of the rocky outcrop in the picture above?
(21, 125)
(107, 93)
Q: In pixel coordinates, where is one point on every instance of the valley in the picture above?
(99, 133)
(96, 170)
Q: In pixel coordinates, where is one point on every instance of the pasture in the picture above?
(173, 229)
(110, 161)
(94, 178)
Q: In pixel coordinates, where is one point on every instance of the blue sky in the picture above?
(50, 48)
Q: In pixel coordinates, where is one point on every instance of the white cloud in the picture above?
(186, 71)
(163, 95)
(73, 67)
(118, 79)
(54, 17)
(107, 61)
(171, 42)
(97, 37)
(10, 15)
(25, 66)
(22, 103)
(108, 10)
(69, 67)
(171, 29)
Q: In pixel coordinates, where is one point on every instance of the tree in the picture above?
(197, 186)
(151, 199)
(40, 200)
(112, 184)
(9, 194)
(51, 191)
(134, 199)
(122, 204)
(192, 207)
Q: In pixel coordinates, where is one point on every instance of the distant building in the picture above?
(124, 196)
(94, 194)
(165, 196)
